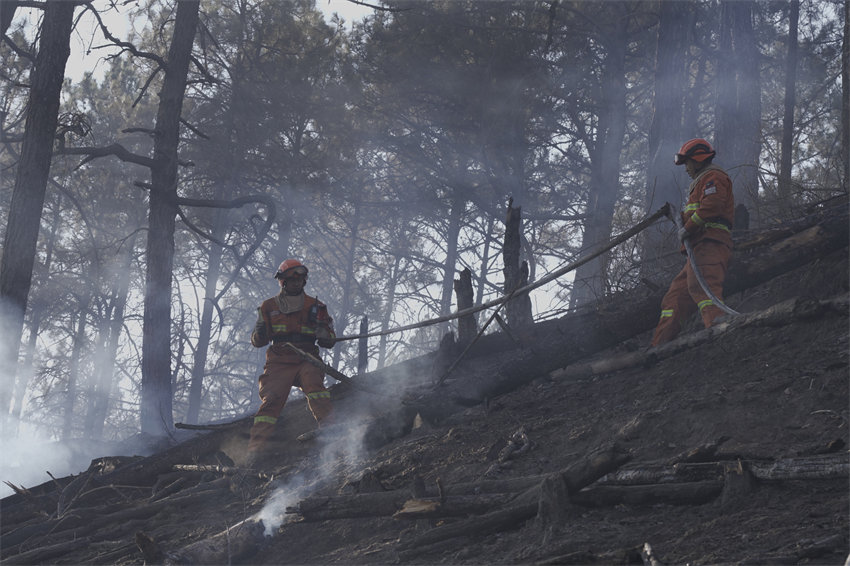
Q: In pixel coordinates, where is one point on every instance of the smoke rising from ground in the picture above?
(28, 458)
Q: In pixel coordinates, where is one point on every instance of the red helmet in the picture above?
(289, 265)
(697, 149)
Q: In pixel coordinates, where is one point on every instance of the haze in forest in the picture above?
(383, 154)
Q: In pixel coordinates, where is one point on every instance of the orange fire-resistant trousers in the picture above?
(686, 296)
(275, 383)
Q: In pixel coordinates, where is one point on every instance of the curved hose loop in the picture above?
(677, 220)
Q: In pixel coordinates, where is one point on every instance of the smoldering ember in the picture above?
(428, 282)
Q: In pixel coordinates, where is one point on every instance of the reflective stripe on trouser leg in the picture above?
(676, 306)
(712, 258)
(275, 384)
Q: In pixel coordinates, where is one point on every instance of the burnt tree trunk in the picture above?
(156, 391)
(785, 162)
(518, 308)
(592, 280)
(845, 89)
(467, 327)
(21, 238)
(737, 123)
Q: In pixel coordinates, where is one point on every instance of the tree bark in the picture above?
(467, 327)
(785, 163)
(156, 391)
(25, 208)
(845, 103)
(738, 107)
(518, 308)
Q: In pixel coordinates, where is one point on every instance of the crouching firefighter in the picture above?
(295, 317)
(707, 224)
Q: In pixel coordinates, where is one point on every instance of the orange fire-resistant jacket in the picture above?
(299, 328)
(710, 209)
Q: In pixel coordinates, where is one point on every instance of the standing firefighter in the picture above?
(707, 223)
(295, 317)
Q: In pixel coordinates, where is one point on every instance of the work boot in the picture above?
(309, 436)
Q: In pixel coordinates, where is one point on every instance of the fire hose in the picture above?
(689, 248)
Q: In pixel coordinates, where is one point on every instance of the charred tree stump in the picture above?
(737, 485)
(516, 273)
(467, 327)
(552, 507)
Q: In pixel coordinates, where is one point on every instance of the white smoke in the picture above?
(341, 450)
(29, 457)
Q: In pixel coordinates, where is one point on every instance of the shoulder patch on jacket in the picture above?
(710, 189)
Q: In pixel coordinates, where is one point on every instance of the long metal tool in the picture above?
(677, 220)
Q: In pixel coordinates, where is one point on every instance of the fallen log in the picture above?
(690, 493)
(826, 466)
(487, 492)
(452, 506)
(831, 466)
(146, 470)
(780, 314)
(526, 505)
(223, 470)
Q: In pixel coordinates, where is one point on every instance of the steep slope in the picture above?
(715, 428)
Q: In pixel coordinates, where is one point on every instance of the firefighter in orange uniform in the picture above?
(295, 317)
(707, 223)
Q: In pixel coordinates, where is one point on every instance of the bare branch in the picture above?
(125, 44)
(146, 85)
(203, 70)
(194, 130)
(380, 8)
(115, 149)
(148, 131)
(265, 200)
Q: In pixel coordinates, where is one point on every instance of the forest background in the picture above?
(217, 138)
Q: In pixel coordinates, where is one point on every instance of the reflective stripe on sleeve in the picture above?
(717, 225)
(667, 313)
(319, 395)
(264, 419)
(705, 303)
(692, 206)
(697, 220)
